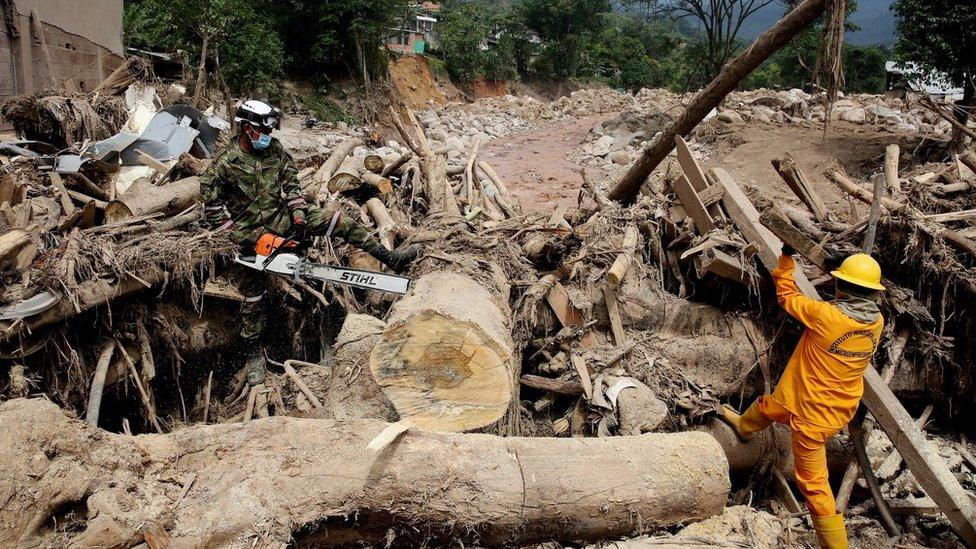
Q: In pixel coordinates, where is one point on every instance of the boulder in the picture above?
(621, 157)
(730, 117)
(856, 115)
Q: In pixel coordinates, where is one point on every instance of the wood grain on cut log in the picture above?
(446, 358)
(346, 176)
(143, 198)
(312, 482)
(373, 163)
(318, 191)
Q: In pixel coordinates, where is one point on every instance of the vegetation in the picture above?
(940, 36)
(626, 43)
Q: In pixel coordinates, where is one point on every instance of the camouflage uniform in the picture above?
(254, 193)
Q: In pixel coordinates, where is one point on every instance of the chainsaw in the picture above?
(278, 255)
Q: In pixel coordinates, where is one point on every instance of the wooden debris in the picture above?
(557, 386)
(892, 182)
(787, 169)
(621, 265)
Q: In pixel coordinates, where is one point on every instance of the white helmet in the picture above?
(258, 113)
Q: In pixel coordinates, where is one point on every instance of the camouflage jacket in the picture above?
(250, 193)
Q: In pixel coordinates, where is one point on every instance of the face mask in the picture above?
(262, 142)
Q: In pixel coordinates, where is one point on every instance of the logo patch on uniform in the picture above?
(836, 350)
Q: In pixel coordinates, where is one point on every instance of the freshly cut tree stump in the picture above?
(313, 483)
(446, 358)
(143, 198)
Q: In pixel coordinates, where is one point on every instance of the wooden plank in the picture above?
(693, 205)
(745, 216)
(151, 162)
(567, 313)
(613, 309)
(928, 467)
(557, 386)
(923, 460)
(721, 264)
(787, 169)
(580, 366)
(66, 204)
(693, 171)
(711, 195)
(776, 221)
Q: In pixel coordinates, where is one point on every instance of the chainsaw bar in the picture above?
(290, 265)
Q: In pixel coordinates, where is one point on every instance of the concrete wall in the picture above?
(83, 39)
(99, 21)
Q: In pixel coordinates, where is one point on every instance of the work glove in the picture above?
(298, 225)
(834, 258)
(788, 250)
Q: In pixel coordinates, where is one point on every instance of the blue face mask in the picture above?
(262, 142)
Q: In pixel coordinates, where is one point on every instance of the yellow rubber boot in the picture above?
(745, 425)
(830, 531)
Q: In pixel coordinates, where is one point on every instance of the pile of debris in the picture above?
(562, 331)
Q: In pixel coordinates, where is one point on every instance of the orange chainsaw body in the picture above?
(269, 242)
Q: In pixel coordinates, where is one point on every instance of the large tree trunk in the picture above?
(144, 198)
(765, 45)
(314, 483)
(446, 359)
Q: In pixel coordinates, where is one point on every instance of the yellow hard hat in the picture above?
(861, 270)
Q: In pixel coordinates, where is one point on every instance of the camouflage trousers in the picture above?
(253, 284)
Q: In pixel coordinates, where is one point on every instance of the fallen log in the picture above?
(446, 359)
(732, 73)
(384, 223)
(328, 168)
(143, 198)
(313, 483)
(394, 166)
(346, 177)
(373, 163)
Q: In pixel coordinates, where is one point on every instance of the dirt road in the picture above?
(534, 164)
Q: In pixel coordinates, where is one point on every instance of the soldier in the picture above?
(252, 188)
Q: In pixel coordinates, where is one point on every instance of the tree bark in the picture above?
(314, 483)
(145, 198)
(446, 359)
(201, 72)
(765, 45)
(346, 176)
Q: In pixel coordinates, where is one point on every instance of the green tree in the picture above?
(322, 36)
(940, 36)
(229, 30)
(567, 29)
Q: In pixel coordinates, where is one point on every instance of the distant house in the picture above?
(904, 79)
(415, 34)
(47, 43)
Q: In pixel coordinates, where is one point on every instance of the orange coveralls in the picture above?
(822, 385)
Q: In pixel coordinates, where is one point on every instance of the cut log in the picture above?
(621, 265)
(446, 359)
(346, 176)
(787, 169)
(381, 184)
(373, 163)
(777, 222)
(733, 72)
(312, 483)
(328, 168)
(143, 198)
